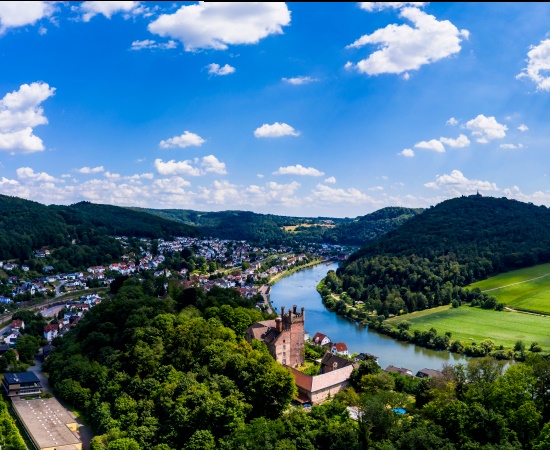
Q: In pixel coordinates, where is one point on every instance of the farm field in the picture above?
(527, 289)
(475, 324)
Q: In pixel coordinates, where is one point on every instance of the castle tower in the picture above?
(293, 329)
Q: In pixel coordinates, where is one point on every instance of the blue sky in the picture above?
(300, 109)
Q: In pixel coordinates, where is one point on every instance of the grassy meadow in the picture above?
(532, 291)
(475, 325)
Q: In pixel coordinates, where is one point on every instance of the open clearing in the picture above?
(475, 325)
(527, 289)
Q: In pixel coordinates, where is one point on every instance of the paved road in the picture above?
(264, 292)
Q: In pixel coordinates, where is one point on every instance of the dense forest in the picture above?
(27, 226)
(427, 261)
(175, 373)
(271, 228)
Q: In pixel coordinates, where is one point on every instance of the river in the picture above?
(300, 289)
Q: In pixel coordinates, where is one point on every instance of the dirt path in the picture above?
(519, 282)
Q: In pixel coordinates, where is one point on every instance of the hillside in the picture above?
(119, 221)
(273, 228)
(26, 226)
(424, 262)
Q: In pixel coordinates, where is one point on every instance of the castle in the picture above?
(283, 336)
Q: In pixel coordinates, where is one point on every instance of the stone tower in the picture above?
(292, 324)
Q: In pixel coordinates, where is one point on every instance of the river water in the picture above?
(300, 289)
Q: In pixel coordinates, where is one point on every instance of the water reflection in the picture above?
(300, 289)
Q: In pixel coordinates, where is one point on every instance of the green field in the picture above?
(475, 324)
(532, 291)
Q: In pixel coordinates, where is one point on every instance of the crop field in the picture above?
(526, 289)
(475, 325)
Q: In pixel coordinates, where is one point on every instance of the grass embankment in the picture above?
(475, 325)
(294, 269)
(524, 289)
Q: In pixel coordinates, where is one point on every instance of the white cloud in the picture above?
(434, 145)
(106, 8)
(379, 6)
(459, 184)
(187, 139)
(460, 142)
(20, 112)
(215, 69)
(376, 188)
(407, 152)
(87, 170)
(511, 146)
(296, 81)
(538, 65)
(211, 164)
(327, 194)
(403, 48)
(150, 44)
(275, 130)
(173, 167)
(487, 128)
(28, 173)
(330, 180)
(260, 175)
(18, 14)
(217, 25)
(452, 122)
(523, 128)
(298, 170)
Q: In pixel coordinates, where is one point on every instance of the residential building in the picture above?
(427, 373)
(321, 339)
(339, 348)
(316, 389)
(399, 370)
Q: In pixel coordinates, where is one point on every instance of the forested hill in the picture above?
(26, 226)
(273, 228)
(119, 221)
(424, 262)
(507, 233)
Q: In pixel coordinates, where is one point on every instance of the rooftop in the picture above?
(46, 421)
(21, 377)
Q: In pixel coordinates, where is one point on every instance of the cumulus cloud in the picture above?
(523, 128)
(460, 142)
(28, 173)
(434, 145)
(149, 44)
(511, 146)
(458, 184)
(402, 48)
(187, 139)
(407, 153)
(330, 180)
(326, 194)
(487, 128)
(298, 170)
(296, 81)
(211, 164)
(173, 167)
(20, 112)
(217, 25)
(538, 65)
(376, 188)
(87, 170)
(216, 69)
(452, 122)
(19, 14)
(275, 130)
(106, 8)
(379, 6)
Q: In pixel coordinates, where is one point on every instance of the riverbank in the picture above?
(294, 269)
(300, 289)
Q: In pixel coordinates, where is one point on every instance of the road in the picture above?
(264, 291)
